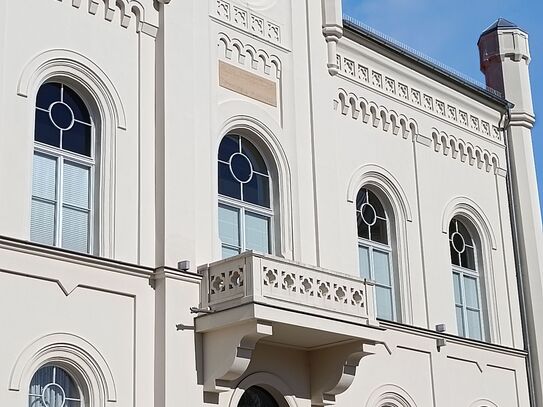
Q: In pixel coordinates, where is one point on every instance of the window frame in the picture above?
(61, 155)
(244, 207)
(82, 400)
(388, 248)
(463, 274)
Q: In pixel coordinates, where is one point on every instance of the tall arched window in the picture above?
(64, 170)
(245, 204)
(375, 250)
(52, 386)
(466, 281)
(257, 396)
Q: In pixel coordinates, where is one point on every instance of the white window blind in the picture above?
(44, 199)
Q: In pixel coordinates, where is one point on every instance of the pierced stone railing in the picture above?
(267, 280)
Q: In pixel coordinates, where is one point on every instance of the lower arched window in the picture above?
(52, 386)
(375, 250)
(466, 280)
(256, 396)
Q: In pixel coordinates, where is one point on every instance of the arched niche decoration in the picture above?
(269, 382)
(87, 78)
(475, 218)
(483, 403)
(264, 137)
(385, 183)
(390, 394)
(73, 353)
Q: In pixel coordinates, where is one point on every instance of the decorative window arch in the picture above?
(81, 73)
(465, 252)
(53, 386)
(246, 213)
(390, 395)
(64, 170)
(376, 248)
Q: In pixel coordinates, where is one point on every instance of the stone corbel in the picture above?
(228, 352)
(333, 370)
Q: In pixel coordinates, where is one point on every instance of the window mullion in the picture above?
(58, 219)
(464, 306)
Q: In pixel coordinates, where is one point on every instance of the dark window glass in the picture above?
(78, 139)
(379, 231)
(241, 167)
(228, 186)
(361, 198)
(464, 232)
(257, 397)
(47, 94)
(45, 132)
(229, 146)
(77, 105)
(363, 228)
(61, 115)
(376, 203)
(257, 191)
(455, 257)
(468, 258)
(254, 156)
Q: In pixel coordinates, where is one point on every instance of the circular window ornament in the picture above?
(369, 215)
(53, 395)
(241, 167)
(61, 115)
(458, 242)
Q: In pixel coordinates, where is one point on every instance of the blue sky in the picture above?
(448, 31)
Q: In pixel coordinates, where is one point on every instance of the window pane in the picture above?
(44, 131)
(377, 205)
(48, 93)
(465, 234)
(44, 176)
(73, 100)
(78, 139)
(468, 258)
(472, 292)
(384, 302)
(229, 225)
(229, 252)
(257, 234)
(75, 229)
(76, 185)
(64, 380)
(460, 321)
(474, 324)
(257, 191)
(42, 222)
(381, 267)
(35, 401)
(228, 186)
(254, 156)
(363, 228)
(41, 378)
(455, 257)
(364, 262)
(379, 231)
(457, 289)
(229, 145)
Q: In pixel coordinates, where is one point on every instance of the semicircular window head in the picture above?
(256, 396)
(245, 210)
(64, 170)
(375, 251)
(466, 281)
(52, 386)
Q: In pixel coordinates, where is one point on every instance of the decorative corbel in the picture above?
(333, 370)
(228, 352)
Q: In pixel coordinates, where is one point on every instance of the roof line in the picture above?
(424, 60)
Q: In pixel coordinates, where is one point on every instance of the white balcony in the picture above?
(253, 298)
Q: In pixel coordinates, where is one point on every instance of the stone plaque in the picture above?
(247, 84)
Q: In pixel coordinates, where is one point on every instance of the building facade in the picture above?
(261, 203)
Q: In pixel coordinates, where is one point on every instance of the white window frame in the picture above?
(464, 273)
(61, 155)
(387, 248)
(246, 207)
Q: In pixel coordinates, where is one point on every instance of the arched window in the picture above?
(256, 396)
(245, 203)
(64, 170)
(375, 250)
(52, 386)
(466, 281)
